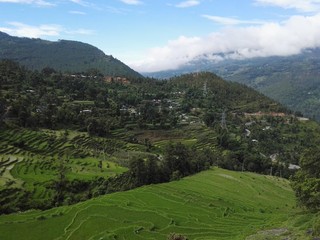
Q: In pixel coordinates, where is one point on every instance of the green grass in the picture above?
(87, 168)
(215, 204)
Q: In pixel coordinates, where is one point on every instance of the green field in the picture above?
(215, 204)
(30, 161)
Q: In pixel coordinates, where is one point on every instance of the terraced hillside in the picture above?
(31, 162)
(215, 204)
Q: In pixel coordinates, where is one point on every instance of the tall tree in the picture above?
(137, 170)
(306, 181)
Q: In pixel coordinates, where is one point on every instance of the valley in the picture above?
(97, 154)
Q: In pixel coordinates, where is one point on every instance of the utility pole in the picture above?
(205, 90)
(223, 121)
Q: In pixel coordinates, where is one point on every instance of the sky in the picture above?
(156, 35)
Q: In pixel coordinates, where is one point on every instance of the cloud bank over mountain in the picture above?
(238, 42)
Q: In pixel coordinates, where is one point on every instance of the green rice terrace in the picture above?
(215, 204)
(30, 162)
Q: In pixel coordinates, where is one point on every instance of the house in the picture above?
(274, 157)
(294, 167)
(121, 80)
(86, 111)
(248, 124)
(248, 132)
(303, 119)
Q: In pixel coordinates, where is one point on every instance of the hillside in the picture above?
(293, 81)
(216, 204)
(65, 56)
(82, 132)
(70, 138)
(221, 95)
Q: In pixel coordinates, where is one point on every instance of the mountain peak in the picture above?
(3, 34)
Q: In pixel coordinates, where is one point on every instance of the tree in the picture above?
(61, 183)
(137, 171)
(173, 118)
(47, 71)
(209, 118)
(152, 170)
(2, 108)
(98, 126)
(177, 158)
(148, 144)
(306, 182)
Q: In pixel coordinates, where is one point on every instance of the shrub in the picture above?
(316, 227)
(175, 236)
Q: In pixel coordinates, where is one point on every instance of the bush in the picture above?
(316, 227)
(175, 236)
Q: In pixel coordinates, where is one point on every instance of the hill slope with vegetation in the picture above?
(293, 81)
(68, 138)
(64, 56)
(216, 204)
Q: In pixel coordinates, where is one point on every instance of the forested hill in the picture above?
(65, 56)
(157, 101)
(292, 80)
(208, 90)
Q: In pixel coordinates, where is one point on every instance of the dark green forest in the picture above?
(63, 55)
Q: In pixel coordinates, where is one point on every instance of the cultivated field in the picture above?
(215, 204)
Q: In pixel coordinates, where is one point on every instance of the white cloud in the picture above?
(230, 21)
(81, 2)
(80, 31)
(187, 4)
(131, 2)
(77, 12)
(35, 2)
(269, 39)
(300, 5)
(45, 30)
(24, 30)
(77, 1)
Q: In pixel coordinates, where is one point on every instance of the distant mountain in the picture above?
(293, 81)
(65, 56)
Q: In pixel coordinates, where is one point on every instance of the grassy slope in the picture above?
(216, 204)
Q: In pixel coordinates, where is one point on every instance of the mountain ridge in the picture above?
(62, 55)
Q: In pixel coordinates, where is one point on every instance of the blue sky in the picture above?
(152, 35)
